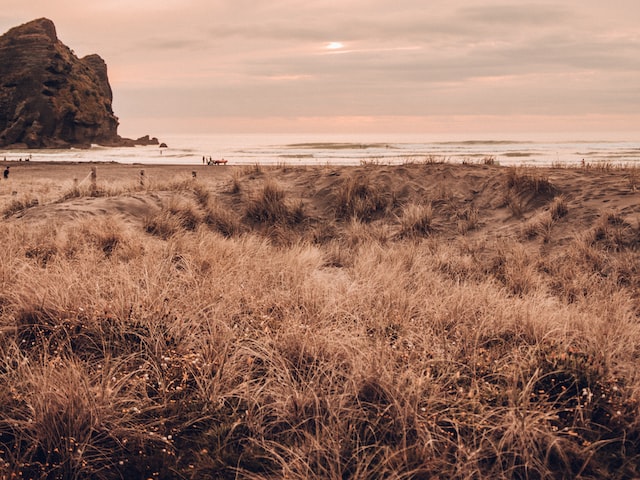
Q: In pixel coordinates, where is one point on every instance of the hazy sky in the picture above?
(419, 66)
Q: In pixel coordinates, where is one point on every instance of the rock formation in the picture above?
(50, 98)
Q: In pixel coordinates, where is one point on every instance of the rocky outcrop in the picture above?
(50, 98)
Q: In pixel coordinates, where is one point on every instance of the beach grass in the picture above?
(347, 323)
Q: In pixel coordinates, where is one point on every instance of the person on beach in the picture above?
(6, 173)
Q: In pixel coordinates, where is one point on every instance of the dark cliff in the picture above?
(50, 98)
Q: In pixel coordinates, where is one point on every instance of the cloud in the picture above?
(512, 16)
(408, 57)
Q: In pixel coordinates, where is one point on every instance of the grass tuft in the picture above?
(357, 197)
(559, 208)
(522, 180)
(235, 185)
(468, 219)
(416, 220)
(19, 205)
(223, 220)
(269, 206)
(176, 216)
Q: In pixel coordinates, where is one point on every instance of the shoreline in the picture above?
(349, 150)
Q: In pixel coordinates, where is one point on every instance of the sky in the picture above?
(458, 67)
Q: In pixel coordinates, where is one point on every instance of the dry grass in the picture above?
(525, 186)
(235, 186)
(18, 205)
(191, 346)
(416, 220)
(468, 219)
(358, 197)
(539, 226)
(522, 179)
(558, 208)
(270, 206)
(176, 216)
(222, 220)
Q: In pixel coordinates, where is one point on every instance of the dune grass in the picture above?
(200, 345)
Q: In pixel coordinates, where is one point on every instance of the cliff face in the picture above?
(50, 98)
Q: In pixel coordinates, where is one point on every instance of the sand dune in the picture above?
(417, 321)
(451, 189)
(131, 208)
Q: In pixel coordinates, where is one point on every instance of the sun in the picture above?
(334, 46)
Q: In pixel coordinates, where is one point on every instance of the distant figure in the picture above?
(203, 160)
(6, 173)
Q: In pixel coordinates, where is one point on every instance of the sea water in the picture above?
(323, 149)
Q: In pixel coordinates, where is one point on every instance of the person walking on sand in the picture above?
(6, 173)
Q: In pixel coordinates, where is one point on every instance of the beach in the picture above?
(588, 191)
(318, 241)
(424, 320)
(354, 150)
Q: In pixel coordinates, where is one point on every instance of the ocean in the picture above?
(322, 149)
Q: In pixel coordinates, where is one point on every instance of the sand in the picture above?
(50, 182)
(478, 321)
(589, 193)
